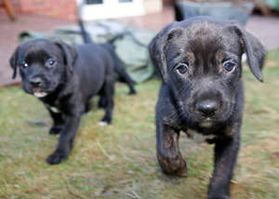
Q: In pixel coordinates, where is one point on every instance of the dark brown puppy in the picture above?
(65, 78)
(202, 92)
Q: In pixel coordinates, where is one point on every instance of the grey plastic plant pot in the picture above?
(221, 10)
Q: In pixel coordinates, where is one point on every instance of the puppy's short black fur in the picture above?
(202, 92)
(65, 78)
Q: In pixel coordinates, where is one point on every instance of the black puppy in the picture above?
(65, 78)
(202, 92)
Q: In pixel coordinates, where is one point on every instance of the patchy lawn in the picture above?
(119, 161)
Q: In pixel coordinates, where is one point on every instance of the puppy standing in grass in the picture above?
(202, 92)
(65, 78)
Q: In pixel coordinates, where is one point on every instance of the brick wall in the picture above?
(64, 9)
(167, 2)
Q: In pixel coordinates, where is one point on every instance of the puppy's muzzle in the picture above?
(36, 82)
(207, 108)
(207, 111)
(37, 86)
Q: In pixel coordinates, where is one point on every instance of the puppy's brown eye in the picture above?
(51, 62)
(229, 66)
(182, 68)
(24, 64)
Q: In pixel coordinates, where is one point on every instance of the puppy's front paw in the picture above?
(55, 130)
(217, 195)
(132, 92)
(57, 157)
(103, 123)
(173, 166)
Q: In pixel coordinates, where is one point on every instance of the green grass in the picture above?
(119, 161)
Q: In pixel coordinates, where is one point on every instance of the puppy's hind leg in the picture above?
(87, 106)
(102, 103)
(168, 154)
(108, 94)
(125, 78)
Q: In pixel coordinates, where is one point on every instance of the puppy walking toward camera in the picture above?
(65, 78)
(202, 92)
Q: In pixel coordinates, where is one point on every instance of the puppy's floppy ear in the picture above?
(158, 46)
(69, 54)
(254, 50)
(13, 62)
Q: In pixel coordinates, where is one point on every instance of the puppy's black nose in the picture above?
(207, 108)
(36, 81)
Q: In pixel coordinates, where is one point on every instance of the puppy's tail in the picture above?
(120, 69)
(85, 35)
